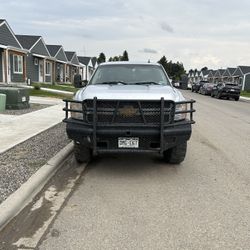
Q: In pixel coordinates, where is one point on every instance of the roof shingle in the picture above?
(27, 41)
(245, 69)
(53, 49)
(69, 55)
(84, 59)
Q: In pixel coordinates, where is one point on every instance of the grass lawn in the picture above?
(67, 87)
(245, 93)
(34, 92)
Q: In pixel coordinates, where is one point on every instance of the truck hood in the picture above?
(129, 92)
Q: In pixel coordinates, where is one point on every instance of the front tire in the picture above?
(176, 155)
(82, 153)
(236, 98)
(218, 96)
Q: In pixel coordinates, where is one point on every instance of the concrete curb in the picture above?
(24, 195)
(50, 90)
(58, 91)
(243, 98)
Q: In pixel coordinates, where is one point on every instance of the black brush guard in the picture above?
(94, 112)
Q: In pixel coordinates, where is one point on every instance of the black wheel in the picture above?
(175, 155)
(237, 98)
(212, 95)
(218, 96)
(82, 153)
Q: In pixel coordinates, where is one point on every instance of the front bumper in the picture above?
(107, 138)
(230, 94)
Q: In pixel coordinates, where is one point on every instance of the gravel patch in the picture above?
(23, 160)
(33, 107)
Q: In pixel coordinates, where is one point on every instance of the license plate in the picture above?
(232, 90)
(23, 99)
(128, 142)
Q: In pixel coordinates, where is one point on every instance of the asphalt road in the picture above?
(139, 202)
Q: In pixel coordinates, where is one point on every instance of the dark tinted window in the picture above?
(231, 85)
(130, 74)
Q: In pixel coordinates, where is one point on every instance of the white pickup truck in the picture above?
(129, 107)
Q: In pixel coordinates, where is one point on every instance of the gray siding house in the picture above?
(73, 66)
(204, 75)
(87, 65)
(12, 56)
(241, 76)
(60, 64)
(94, 62)
(211, 75)
(227, 75)
(218, 75)
(39, 61)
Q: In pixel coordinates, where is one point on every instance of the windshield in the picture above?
(130, 74)
(231, 85)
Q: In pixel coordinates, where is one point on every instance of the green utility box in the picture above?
(2, 102)
(16, 97)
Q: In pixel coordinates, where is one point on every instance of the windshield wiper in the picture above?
(112, 82)
(149, 82)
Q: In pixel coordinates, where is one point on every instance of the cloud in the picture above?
(111, 26)
(148, 50)
(166, 27)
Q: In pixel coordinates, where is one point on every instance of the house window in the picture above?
(48, 69)
(18, 64)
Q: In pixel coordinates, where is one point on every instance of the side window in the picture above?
(18, 64)
(48, 68)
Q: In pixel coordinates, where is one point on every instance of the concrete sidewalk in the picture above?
(16, 129)
(243, 98)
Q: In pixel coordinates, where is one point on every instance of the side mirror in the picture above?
(84, 83)
(77, 81)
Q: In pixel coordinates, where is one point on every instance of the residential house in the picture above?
(204, 75)
(60, 64)
(197, 76)
(211, 75)
(86, 64)
(227, 75)
(94, 62)
(191, 77)
(72, 67)
(12, 56)
(218, 75)
(241, 76)
(39, 61)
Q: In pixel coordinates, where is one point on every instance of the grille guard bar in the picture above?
(161, 127)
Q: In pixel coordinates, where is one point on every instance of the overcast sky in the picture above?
(198, 33)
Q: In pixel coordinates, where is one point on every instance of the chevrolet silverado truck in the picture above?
(129, 107)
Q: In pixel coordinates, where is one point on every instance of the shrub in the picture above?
(37, 86)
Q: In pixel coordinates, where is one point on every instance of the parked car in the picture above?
(226, 90)
(196, 86)
(206, 88)
(176, 84)
(129, 107)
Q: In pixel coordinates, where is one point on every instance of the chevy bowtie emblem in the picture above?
(127, 111)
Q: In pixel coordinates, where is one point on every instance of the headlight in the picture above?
(180, 107)
(76, 115)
